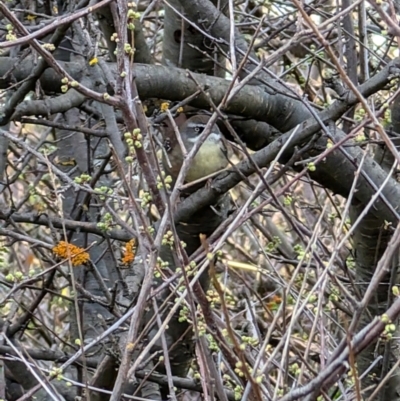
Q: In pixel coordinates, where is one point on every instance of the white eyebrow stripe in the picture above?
(194, 125)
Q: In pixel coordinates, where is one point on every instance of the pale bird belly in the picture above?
(209, 159)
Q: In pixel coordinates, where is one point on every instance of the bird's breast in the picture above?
(209, 159)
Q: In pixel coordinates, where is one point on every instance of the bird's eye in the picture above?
(198, 130)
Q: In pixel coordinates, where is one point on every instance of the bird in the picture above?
(210, 158)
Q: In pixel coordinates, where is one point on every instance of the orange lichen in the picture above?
(78, 255)
(130, 252)
(274, 302)
(93, 61)
(164, 106)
